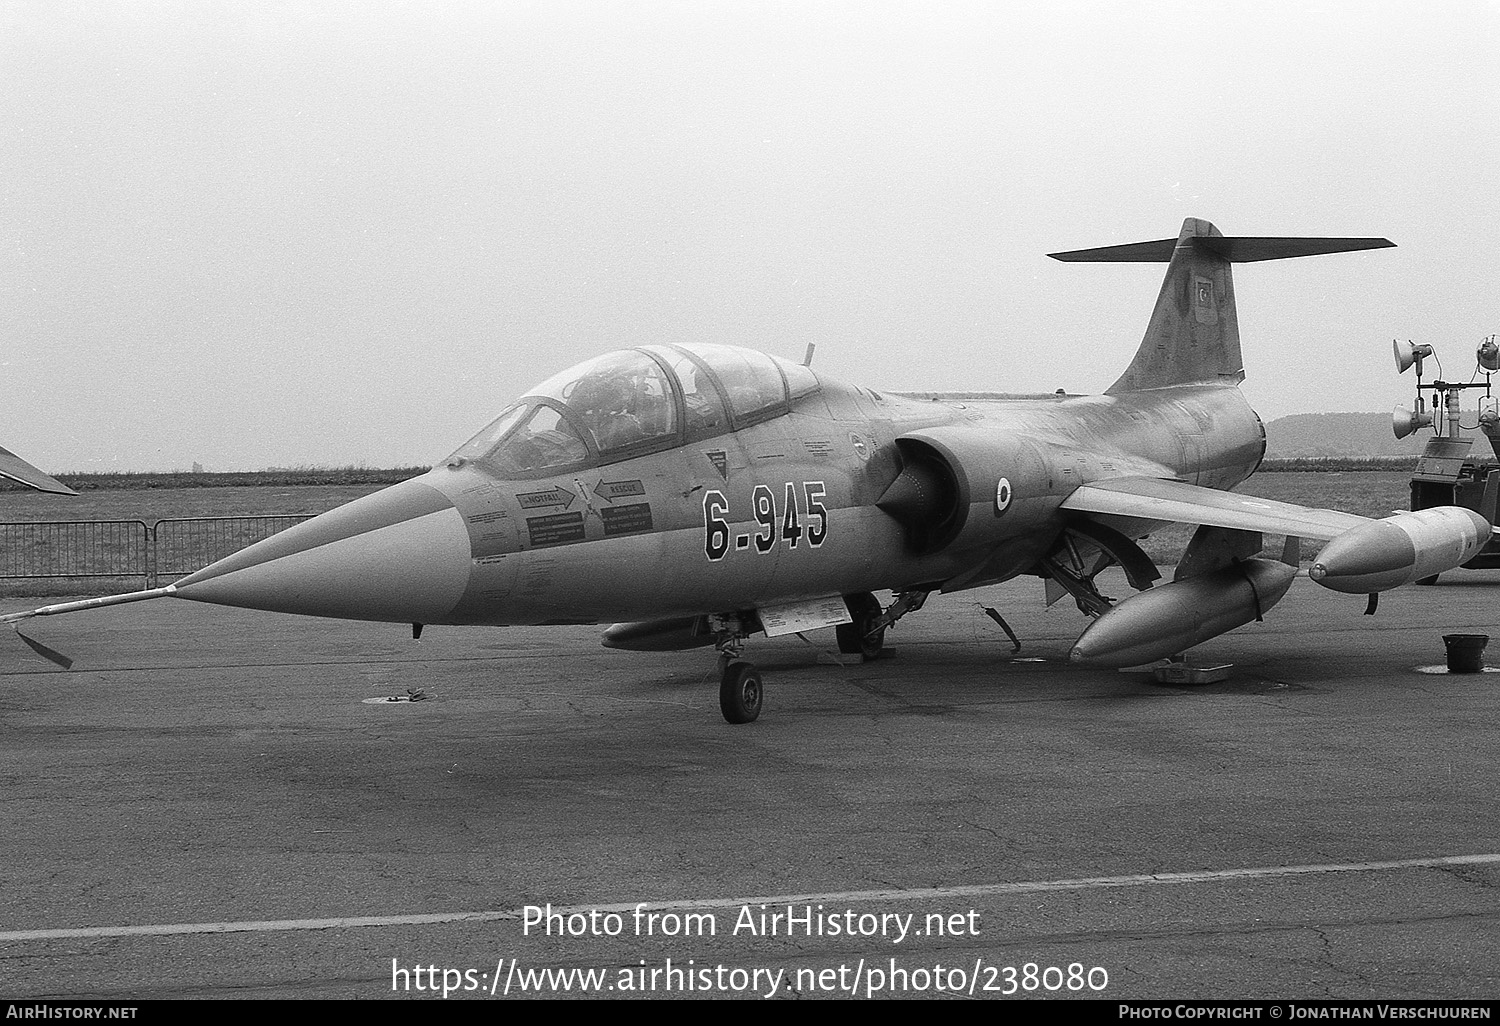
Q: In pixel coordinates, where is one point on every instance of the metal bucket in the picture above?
(1465, 652)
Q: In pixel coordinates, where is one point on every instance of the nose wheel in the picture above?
(740, 692)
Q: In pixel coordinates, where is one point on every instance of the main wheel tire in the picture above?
(855, 637)
(1429, 580)
(740, 692)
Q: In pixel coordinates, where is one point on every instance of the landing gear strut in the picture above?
(740, 692)
(864, 636)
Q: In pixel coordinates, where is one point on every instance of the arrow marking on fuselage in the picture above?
(609, 491)
(554, 496)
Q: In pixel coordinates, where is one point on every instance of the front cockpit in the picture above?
(636, 401)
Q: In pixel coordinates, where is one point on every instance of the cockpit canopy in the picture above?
(635, 401)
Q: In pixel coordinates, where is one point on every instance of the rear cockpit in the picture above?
(636, 401)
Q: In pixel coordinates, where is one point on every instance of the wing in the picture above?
(1362, 557)
(17, 469)
(1154, 499)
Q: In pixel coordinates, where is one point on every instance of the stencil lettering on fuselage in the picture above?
(555, 529)
(630, 519)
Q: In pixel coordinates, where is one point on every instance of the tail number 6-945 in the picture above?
(773, 525)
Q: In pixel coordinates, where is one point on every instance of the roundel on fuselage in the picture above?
(1002, 496)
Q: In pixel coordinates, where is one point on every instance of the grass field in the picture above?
(1369, 493)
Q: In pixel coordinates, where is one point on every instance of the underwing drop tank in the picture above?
(1169, 619)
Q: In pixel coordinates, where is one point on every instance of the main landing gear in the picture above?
(741, 693)
(861, 636)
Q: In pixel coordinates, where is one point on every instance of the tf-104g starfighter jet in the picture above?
(700, 494)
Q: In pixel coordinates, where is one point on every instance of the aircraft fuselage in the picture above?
(771, 513)
(785, 509)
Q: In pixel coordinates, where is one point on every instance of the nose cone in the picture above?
(401, 555)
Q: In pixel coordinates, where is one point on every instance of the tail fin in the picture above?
(1194, 335)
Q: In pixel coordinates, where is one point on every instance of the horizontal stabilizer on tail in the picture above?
(1194, 334)
(1241, 249)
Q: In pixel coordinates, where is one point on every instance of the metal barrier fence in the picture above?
(129, 548)
(181, 546)
(75, 548)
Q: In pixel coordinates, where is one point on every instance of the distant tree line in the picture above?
(1341, 464)
(276, 478)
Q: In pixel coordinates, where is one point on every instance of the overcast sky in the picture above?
(295, 233)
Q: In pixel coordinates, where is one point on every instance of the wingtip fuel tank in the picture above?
(1400, 549)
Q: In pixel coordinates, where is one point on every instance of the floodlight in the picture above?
(1404, 421)
(1408, 354)
(1489, 355)
(1489, 414)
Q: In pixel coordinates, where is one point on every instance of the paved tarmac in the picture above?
(207, 806)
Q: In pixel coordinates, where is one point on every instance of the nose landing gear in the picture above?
(741, 692)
